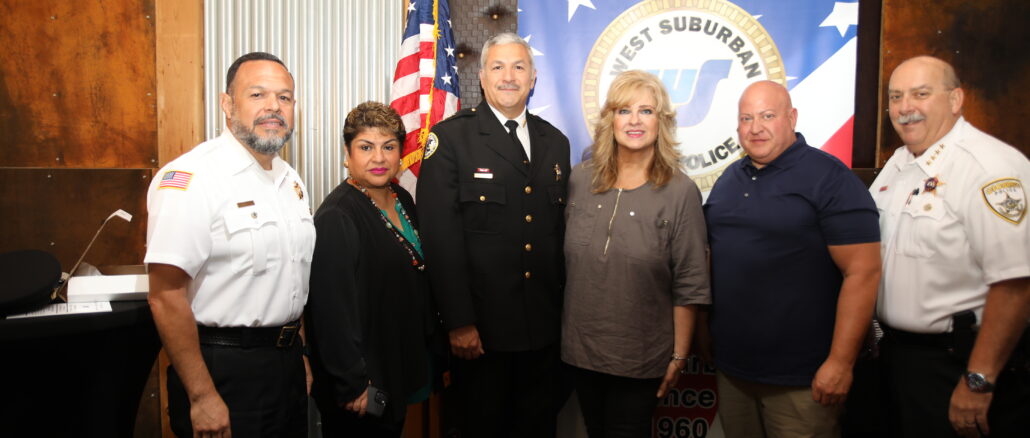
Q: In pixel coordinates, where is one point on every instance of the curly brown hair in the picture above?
(372, 115)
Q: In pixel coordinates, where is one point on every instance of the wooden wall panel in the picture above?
(150, 412)
(58, 210)
(180, 127)
(77, 85)
(180, 77)
(867, 79)
(987, 41)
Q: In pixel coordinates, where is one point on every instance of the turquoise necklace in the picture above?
(416, 261)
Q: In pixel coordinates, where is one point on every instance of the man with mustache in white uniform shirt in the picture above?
(955, 293)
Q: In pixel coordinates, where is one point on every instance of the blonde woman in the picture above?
(635, 259)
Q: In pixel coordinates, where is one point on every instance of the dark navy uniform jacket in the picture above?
(493, 228)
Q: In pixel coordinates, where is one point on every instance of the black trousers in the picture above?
(614, 406)
(865, 410)
(263, 387)
(921, 378)
(507, 394)
(339, 422)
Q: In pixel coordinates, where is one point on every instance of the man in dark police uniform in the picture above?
(491, 202)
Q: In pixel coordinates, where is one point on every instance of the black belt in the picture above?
(936, 340)
(248, 337)
(960, 339)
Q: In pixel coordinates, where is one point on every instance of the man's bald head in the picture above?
(947, 73)
(772, 91)
(765, 121)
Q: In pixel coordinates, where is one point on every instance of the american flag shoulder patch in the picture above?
(175, 179)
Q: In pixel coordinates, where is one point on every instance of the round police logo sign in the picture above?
(706, 52)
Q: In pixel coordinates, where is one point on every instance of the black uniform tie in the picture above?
(512, 126)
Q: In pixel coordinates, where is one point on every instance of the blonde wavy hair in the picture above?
(604, 161)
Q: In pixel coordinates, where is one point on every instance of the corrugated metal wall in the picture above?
(341, 53)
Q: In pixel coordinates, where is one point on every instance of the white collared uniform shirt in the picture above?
(244, 235)
(953, 221)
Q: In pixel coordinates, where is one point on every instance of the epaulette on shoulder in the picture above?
(466, 112)
(540, 119)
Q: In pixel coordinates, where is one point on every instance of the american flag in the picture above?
(175, 179)
(425, 84)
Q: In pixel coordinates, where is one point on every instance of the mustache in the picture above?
(261, 119)
(508, 86)
(910, 118)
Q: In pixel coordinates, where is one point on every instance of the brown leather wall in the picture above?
(987, 41)
(78, 117)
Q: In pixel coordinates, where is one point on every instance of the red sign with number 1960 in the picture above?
(688, 411)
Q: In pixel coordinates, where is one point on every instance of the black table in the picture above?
(76, 375)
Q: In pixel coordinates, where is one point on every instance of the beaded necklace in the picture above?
(416, 261)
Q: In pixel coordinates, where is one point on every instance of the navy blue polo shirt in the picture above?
(774, 284)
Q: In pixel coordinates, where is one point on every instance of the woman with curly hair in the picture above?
(369, 315)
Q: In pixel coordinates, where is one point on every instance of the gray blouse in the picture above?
(630, 255)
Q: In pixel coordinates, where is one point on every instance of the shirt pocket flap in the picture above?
(246, 218)
(482, 193)
(252, 238)
(919, 235)
(925, 208)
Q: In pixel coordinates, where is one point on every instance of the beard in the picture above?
(265, 145)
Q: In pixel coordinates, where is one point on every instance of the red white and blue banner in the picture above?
(425, 83)
(706, 52)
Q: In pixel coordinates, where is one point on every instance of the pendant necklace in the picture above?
(416, 260)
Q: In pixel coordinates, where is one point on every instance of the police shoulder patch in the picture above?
(431, 144)
(1006, 198)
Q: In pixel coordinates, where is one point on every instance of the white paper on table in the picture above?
(66, 309)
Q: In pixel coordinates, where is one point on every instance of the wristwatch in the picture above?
(978, 383)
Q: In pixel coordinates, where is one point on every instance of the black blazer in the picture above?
(494, 240)
(369, 315)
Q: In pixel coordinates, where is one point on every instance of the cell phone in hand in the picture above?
(377, 400)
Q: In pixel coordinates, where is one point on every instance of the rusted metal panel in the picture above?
(987, 43)
(77, 85)
(59, 210)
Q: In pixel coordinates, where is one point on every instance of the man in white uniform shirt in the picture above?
(229, 244)
(955, 294)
